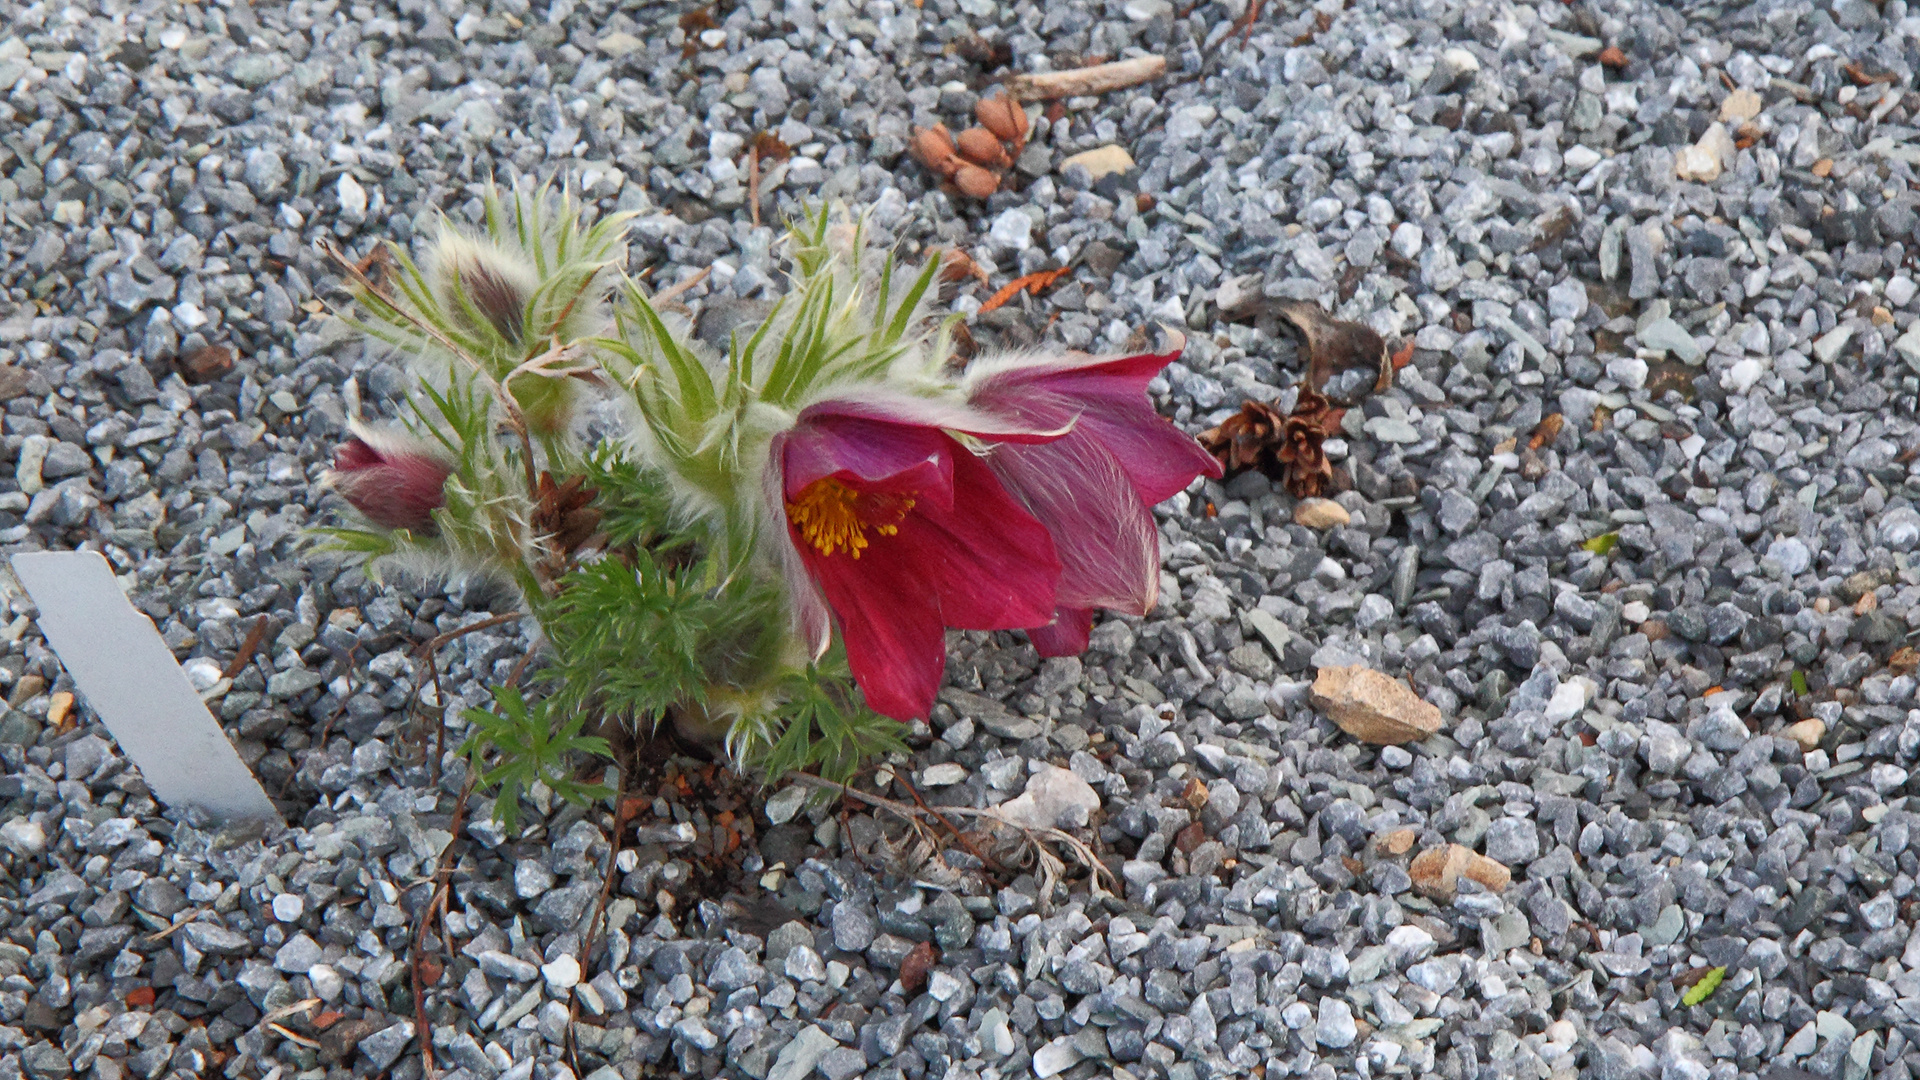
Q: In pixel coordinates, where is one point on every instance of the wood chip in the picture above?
(205, 365)
(60, 708)
(1546, 431)
(1087, 81)
(913, 969)
(1437, 871)
(1035, 283)
(1372, 706)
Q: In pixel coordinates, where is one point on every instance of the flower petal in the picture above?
(1066, 635)
(871, 455)
(906, 409)
(1109, 549)
(1109, 398)
(972, 557)
(811, 620)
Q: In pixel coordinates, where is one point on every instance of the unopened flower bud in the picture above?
(393, 480)
(482, 287)
(983, 148)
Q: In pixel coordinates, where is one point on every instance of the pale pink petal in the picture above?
(1109, 549)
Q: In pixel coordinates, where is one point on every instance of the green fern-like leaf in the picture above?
(517, 744)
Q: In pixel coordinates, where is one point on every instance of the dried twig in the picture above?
(595, 927)
(1035, 283)
(247, 648)
(1086, 81)
(427, 651)
(672, 292)
(753, 182)
(416, 974)
(984, 858)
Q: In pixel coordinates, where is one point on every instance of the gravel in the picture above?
(1668, 642)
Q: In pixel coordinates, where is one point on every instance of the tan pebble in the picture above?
(1807, 733)
(1397, 842)
(1372, 706)
(1101, 161)
(1437, 871)
(1320, 514)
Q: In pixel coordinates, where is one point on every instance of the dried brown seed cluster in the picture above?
(564, 513)
(979, 157)
(1285, 446)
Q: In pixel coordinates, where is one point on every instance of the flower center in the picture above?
(834, 517)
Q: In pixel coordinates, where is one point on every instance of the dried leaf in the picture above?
(1034, 283)
(957, 265)
(207, 364)
(1904, 659)
(770, 147)
(1332, 345)
(1545, 432)
(913, 969)
(1286, 447)
(1404, 357)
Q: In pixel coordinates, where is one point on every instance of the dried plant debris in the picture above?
(1335, 347)
(1288, 447)
(1285, 446)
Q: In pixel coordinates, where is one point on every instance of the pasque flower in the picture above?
(899, 526)
(1094, 487)
(394, 480)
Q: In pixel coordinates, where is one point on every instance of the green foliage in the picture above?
(1799, 680)
(637, 634)
(826, 728)
(518, 744)
(1603, 543)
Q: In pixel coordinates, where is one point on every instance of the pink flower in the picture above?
(902, 530)
(394, 481)
(1095, 487)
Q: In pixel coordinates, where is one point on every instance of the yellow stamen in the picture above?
(834, 517)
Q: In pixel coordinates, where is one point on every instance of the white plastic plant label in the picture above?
(129, 676)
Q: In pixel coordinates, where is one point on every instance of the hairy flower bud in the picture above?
(1004, 117)
(393, 480)
(983, 148)
(482, 288)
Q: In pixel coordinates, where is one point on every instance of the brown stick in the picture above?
(1086, 81)
(753, 182)
(594, 928)
(985, 860)
(442, 872)
(673, 291)
(247, 648)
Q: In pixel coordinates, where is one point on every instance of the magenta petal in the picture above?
(811, 620)
(1109, 550)
(1066, 635)
(870, 455)
(1109, 400)
(896, 646)
(963, 553)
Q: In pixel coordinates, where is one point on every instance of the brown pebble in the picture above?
(205, 365)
